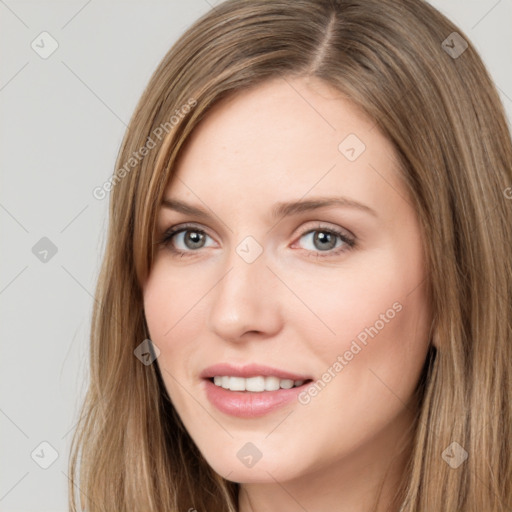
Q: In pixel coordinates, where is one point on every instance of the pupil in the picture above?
(195, 238)
(324, 236)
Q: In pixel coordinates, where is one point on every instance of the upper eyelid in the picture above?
(178, 228)
(193, 225)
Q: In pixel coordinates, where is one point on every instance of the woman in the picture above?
(306, 295)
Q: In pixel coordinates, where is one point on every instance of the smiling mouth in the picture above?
(257, 384)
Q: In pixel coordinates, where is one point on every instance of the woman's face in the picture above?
(335, 295)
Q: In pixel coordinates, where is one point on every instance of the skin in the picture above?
(290, 308)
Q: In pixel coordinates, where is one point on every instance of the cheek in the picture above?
(370, 369)
(173, 318)
(169, 299)
(355, 304)
(369, 323)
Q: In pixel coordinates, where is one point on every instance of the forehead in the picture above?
(285, 139)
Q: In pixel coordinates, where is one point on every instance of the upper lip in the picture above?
(249, 370)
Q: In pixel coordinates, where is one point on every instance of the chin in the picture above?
(263, 471)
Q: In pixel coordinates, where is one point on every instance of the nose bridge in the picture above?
(245, 297)
(246, 263)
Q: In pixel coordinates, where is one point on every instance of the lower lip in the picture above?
(249, 404)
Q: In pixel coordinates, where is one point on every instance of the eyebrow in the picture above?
(284, 209)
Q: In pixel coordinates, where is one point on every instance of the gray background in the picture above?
(63, 119)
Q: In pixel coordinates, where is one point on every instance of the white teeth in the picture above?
(272, 383)
(236, 383)
(255, 384)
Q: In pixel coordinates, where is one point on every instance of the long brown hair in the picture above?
(428, 91)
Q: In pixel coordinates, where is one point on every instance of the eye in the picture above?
(327, 240)
(188, 238)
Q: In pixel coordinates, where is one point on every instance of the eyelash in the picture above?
(349, 243)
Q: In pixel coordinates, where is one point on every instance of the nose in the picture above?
(245, 301)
